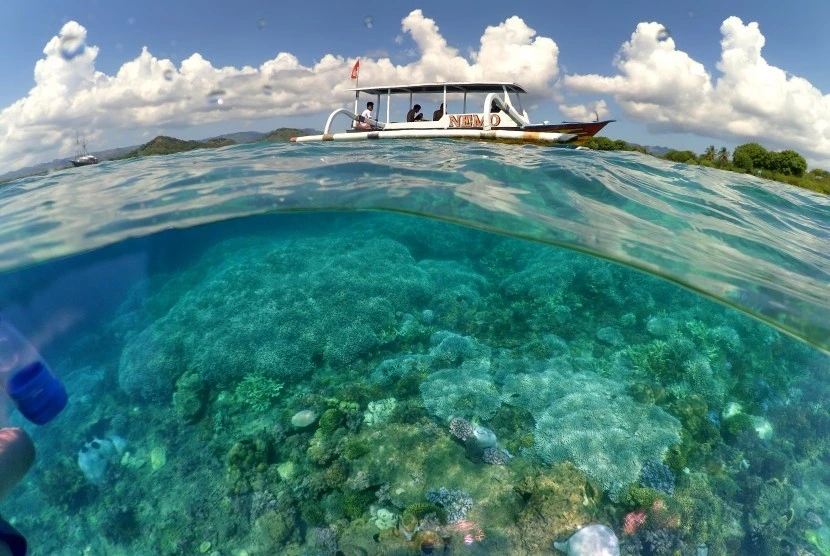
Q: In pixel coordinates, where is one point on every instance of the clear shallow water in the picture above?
(755, 244)
(386, 326)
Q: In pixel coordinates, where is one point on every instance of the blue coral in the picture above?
(590, 421)
(658, 476)
(467, 392)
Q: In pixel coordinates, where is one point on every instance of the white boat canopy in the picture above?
(451, 87)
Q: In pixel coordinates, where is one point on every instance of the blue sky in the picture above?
(247, 33)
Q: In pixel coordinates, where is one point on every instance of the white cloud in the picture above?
(585, 112)
(750, 100)
(152, 93)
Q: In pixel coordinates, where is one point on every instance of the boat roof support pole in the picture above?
(464, 110)
(377, 103)
(388, 105)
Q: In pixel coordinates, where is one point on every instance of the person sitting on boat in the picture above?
(494, 107)
(366, 116)
(415, 115)
(438, 114)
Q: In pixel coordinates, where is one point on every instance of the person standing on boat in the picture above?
(438, 114)
(415, 115)
(366, 116)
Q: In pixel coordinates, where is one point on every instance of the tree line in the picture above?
(786, 166)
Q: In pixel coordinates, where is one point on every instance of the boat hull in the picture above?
(492, 134)
(82, 162)
(582, 130)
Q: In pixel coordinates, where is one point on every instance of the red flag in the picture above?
(355, 69)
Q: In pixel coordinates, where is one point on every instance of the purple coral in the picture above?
(494, 456)
(455, 502)
(325, 538)
(461, 428)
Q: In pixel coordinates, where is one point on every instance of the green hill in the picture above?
(170, 145)
(285, 134)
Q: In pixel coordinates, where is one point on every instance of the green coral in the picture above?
(772, 514)
(190, 397)
(420, 510)
(64, 486)
(640, 497)
(693, 412)
(247, 460)
(356, 503)
(273, 529)
(258, 392)
(313, 514)
(330, 421)
(336, 474)
(355, 448)
(818, 542)
(738, 424)
(705, 518)
(662, 360)
(322, 449)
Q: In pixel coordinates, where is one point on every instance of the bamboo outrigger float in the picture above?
(501, 117)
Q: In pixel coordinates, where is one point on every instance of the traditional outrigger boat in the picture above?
(501, 116)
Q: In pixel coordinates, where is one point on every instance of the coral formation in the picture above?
(468, 393)
(590, 421)
(455, 502)
(658, 476)
(190, 397)
(380, 412)
(258, 392)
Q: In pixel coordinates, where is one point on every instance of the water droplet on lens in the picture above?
(71, 46)
(369, 22)
(169, 74)
(217, 97)
(261, 23)
(663, 34)
(267, 89)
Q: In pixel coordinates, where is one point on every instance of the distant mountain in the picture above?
(63, 163)
(283, 134)
(170, 145)
(42, 168)
(241, 136)
(111, 154)
(657, 151)
(164, 145)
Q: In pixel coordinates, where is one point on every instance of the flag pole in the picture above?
(356, 84)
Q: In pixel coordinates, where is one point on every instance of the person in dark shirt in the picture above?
(415, 115)
(438, 114)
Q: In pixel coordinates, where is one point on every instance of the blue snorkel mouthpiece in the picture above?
(36, 392)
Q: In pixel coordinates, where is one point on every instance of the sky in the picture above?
(673, 73)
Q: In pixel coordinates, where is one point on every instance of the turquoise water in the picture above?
(292, 349)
